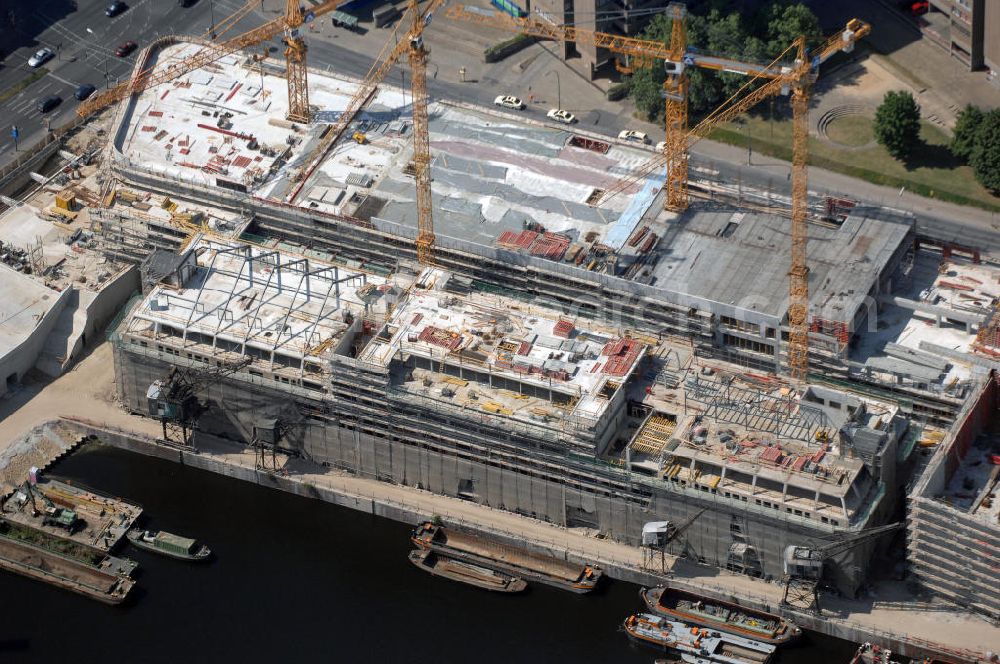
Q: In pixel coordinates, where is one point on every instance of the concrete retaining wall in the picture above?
(23, 357)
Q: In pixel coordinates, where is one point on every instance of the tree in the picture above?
(722, 29)
(787, 22)
(897, 124)
(985, 157)
(966, 126)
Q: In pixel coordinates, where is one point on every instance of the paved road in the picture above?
(85, 40)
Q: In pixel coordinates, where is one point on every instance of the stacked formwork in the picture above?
(988, 337)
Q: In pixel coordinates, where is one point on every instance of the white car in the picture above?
(560, 115)
(509, 101)
(41, 57)
(661, 146)
(633, 135)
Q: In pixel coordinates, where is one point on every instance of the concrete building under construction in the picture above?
(596, 367)
(511, 405)
(511, 212)
(954, 510)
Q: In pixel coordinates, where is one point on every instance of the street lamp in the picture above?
(558, 88)
(107, 79)
(211, 8)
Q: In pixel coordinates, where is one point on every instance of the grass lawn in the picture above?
(851, 131)
(931, 172)
(22, 84)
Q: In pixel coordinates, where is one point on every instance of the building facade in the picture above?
(970, 30)
(473, 397)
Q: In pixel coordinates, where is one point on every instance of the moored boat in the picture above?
(696, 645)
(463, 572)
(715, 614)
(869, 653)
(512, 560)
(168, 544)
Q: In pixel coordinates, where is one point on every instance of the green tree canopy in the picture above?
(897, 124)
(985, 157)
(966, 127)
(722, 30)
(786, 22)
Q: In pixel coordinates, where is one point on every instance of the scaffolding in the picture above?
(250, 301)
(757, 410)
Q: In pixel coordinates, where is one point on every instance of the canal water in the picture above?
(296, 579)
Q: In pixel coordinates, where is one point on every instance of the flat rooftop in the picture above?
(515, 346)
(499, 181)
(257, 302)
(741, 259)
(718, 428)
(939, 322)
(24, 301)
(974, 488)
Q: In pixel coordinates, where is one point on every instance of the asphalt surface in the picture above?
(85, 40)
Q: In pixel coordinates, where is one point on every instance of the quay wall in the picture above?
(902, 644)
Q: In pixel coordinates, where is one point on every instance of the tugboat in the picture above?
(168, 544)
(696, 645)
(715, 614)
(463, 572)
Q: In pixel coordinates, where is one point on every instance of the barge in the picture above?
(464, 572)
(64, 572)
(696, 645)
(168, 544)
(511, 560)
(715, 614)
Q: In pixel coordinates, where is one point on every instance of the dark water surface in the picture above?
(297, 580)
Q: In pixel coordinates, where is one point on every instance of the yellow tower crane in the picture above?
(421, 134)
(295, 58)
(797, 79)
(412, 45)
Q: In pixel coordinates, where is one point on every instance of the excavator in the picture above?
(52, 515)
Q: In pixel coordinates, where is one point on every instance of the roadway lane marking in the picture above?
(63, 80)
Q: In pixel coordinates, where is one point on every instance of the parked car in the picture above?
(915, 7)
(84, 91)
(46, 104)
(633, 135)
(125, 48)
(42, 56)
(509, 101)
(560, 115)
(115, 8)
(661, 146)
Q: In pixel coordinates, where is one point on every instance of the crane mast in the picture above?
(295, 64)
(675, 88)
(798, 274)
(421, 138)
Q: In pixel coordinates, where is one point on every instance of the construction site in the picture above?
(534, 317)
